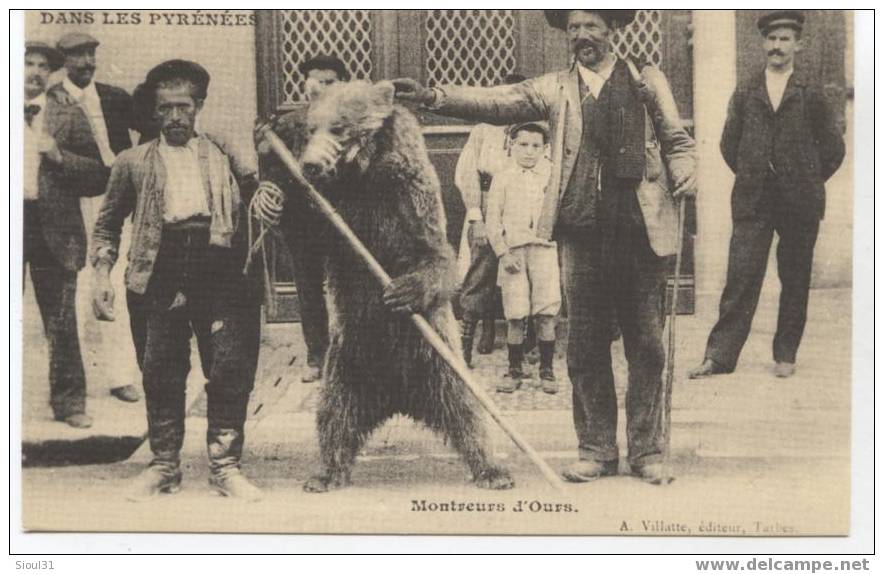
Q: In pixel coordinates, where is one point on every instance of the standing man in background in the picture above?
(306, 232)
(110, 114)
(782, 141)
(484, 154)
(61, 165)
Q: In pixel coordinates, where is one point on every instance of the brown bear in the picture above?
(368, 157)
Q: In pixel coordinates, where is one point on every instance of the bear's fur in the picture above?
(378, 365)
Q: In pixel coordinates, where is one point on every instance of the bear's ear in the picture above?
(385, 92)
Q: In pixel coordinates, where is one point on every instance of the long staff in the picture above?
(430, 334)
(666, 391)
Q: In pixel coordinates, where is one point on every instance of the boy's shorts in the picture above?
(535, 289)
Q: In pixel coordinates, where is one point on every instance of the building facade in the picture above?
(253, 58)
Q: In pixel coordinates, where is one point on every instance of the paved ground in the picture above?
(754, 455)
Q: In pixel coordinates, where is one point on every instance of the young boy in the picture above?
(529, 266)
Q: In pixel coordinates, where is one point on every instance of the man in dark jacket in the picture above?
(109, 111)
(306, 233)
(611, 210)
(783, 142)
(62, 165)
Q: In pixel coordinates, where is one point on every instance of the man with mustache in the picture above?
(613, 216)
(60, 166)
(783, 142)
(185, 277)
(110, 115)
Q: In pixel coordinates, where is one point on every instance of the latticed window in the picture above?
(643, 39)
(306, 33)
(469, 47)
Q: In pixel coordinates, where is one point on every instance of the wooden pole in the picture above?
(666, 391)
(448, 355)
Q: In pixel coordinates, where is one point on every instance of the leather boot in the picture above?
(225, 450)
(486, 341)
(467, 332)
(547, 375)
(163, 476)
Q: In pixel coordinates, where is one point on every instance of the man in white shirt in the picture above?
(185, 277)
(783, 141)
(484, 155)
(110, 115)
(59, 169)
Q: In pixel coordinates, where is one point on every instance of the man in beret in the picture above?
(60, 167)
(613, 215)
(305, 233)
(109, 110)
(782, 141)
(185, 277)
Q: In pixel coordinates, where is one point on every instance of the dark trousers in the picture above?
(55, 289)
(195, 289)
(747, 263)
(307, 243)
(629, 280)
(478, 296)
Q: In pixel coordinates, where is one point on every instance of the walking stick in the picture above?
(423, 326)
(670, 351)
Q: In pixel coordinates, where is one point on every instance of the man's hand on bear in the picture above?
(408, 294)
(409, 90)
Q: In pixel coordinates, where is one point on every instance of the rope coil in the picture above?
(266, 207)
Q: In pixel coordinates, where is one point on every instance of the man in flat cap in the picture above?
(782, 141)
(60, 167)
(109, 110)
(185, 277)
(610, 208)
(305, 233)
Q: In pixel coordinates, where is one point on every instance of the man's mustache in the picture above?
(86, 68)
(583, 43)
(36, 79)
(775, 52)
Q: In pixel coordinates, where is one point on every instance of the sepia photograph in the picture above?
(437, 272)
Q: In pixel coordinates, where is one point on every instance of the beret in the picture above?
(179, 70)
(76, 40)
(325, 62)
(781, 19)
(54, 56)
(614, 18)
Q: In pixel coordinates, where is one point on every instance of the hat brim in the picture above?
(615, 18)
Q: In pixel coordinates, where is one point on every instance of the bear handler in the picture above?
(189, 244)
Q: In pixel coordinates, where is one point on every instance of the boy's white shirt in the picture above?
(515, 202)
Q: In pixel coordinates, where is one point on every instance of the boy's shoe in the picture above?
(511, 381)
(548, 380)
(784, 370)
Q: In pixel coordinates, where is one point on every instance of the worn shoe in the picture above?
(126, 393)
(707, 369)
(589, 470)
(652, 474)
(548, 380)
(486, 341)
(784, 370)
(77, 420)
(153, 481)
(511, 381)
(234, 484)
(311, 374)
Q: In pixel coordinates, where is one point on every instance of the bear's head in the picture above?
(342, 125)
